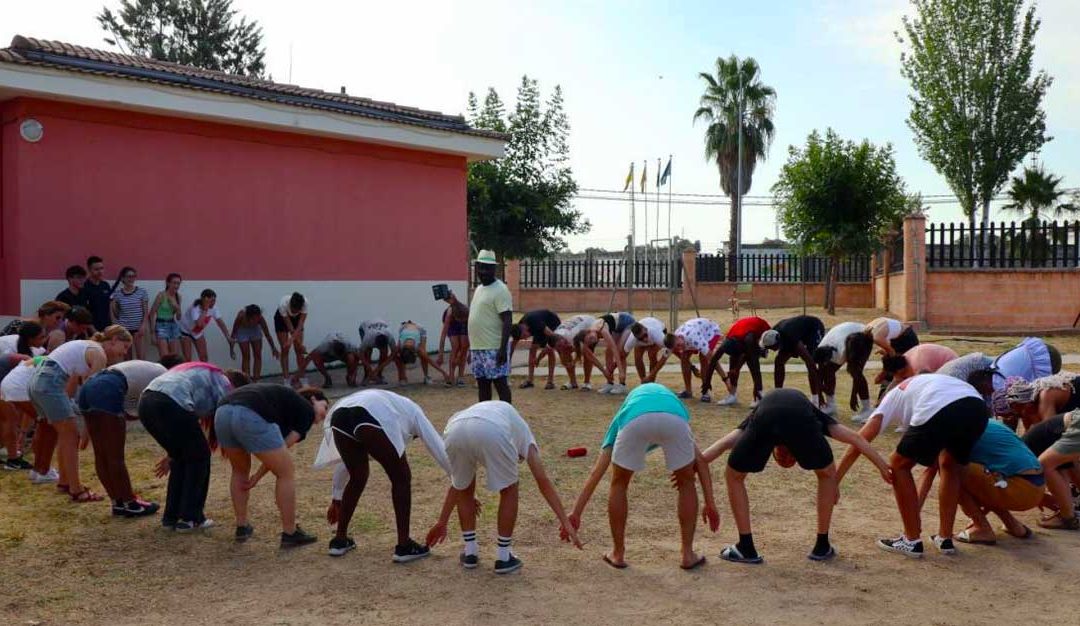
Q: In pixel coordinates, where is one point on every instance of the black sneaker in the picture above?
(118, 509)
(168, 523)
(338, 547)
(18, 463)
(135, 508)
(297, 538)
(243, 533)
(945, 546)
(469, 561)
(513, 564)
(900, 545)
(411, 551)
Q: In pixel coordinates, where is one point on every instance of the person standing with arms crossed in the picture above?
(489, 329)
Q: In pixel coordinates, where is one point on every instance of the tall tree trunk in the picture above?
(971, 235)
(733, 241)
(831, 274)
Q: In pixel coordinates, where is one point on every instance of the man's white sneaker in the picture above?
(864, 414)
(49, 477)
(605, 388)
(618, 389)
(728, 401)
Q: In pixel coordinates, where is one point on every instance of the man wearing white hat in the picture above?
(489, 329)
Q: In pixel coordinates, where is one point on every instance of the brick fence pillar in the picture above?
(512, 278)
(915, 270)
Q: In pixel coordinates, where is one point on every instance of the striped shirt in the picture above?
(132, 307)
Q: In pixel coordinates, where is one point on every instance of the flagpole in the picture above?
(671, 242)
(645, 198)
(631, 253)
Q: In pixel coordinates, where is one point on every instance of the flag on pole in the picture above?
(629, 178)
(658, 174)
(644, 175)
(666, 174)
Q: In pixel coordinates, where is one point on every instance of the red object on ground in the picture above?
(572, 452)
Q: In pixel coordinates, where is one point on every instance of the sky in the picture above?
(629, 72)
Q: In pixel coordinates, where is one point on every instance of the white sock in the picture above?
(470, 542)
(504, 548)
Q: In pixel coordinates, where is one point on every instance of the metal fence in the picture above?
(778, 268)
(590, 273)
(1028, 244)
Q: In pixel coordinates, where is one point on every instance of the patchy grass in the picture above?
(74, 564)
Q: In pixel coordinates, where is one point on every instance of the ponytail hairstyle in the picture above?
(27, 333)
(115, 332)
(120, 276)
(170, 277)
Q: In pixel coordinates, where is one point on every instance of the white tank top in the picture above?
(71, 357)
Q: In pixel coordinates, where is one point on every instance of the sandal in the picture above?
(1027, 533)
(568, 386)
(623, 565)
(526, 385)
(696, 564)
(64, 489)
(86, 496)
(549, 386)
(732, 554)
(1057, 522)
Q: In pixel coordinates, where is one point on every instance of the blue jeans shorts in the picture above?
(240, 427)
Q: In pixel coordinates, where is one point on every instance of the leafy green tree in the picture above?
(836, 198)
(736, 101)
(521, 205)
(1038, 192)
(201, 33)
(976, 106)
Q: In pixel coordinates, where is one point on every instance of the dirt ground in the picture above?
(62, 563)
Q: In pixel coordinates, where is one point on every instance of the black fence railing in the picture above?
(592, 273)
(895, 248)
(778, 268)
(1027, 244)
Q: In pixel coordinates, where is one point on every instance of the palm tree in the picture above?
(736, 100)
(1036, 193)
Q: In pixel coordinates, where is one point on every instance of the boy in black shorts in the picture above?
(786, 424)
(795, 336)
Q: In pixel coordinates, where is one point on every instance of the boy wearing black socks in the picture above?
(787, 425)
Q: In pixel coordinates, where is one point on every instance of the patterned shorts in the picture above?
(484, 367)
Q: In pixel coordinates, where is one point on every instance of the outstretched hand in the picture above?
(711, 516)
(333, 512)
(575, 521)
(162, 467)
(436, 535)
(570, 534)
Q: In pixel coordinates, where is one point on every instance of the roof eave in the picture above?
(112, 92)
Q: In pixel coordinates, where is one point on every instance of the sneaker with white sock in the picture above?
(49, 477)
(728, 401)
(902, 545)
(618, 389)
(605, 388)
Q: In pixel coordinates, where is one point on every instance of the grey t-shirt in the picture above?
(371, 329)
(965, 366)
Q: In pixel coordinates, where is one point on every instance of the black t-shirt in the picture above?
(536, 321)
(276, 404)
(74, 299)
(780, 408)
(98, 302)
(803, 328)
(1044, 434)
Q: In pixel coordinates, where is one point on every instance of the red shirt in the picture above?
(743, 327)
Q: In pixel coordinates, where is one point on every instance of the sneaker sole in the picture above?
(289, 545)
(511, 569)
(409, 558)
(341, 551)
(910, 555)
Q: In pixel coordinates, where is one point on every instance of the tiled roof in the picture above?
(68, 57)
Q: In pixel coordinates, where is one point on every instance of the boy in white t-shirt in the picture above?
(646, 337)
(492, 434)
(941, 418)
(845, 344)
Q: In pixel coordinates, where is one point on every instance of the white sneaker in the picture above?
(753, 404)
(829, 408)
(605, 388)
(49, 477)
(728, 401)
(618, 389)
(586, 387)
(864, 414)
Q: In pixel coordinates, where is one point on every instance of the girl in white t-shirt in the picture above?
(193, 325)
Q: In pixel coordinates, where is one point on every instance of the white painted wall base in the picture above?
(334, 306)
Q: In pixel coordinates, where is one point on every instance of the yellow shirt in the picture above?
(485, 325)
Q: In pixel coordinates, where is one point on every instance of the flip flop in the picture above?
(526, 385)
(732, 554)
(608, 560)
(965, 537)
(696, 564)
